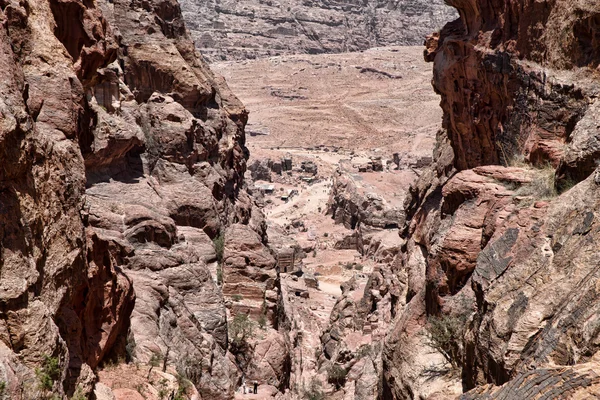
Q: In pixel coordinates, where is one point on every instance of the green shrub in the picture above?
(358, 267)
(565, 184)
(183, 385)
(314, 391)
(163, 391)
(79, 394)
(141, 389)
(237, 297)
(542, 186)
(219, 243)
(336, 375)
(444, 334)
(48, 374)
(262, 321)
(241, 330)
(154, 361)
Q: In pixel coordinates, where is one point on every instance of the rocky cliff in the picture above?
(499, 241)
(122, 159)
(254, 28)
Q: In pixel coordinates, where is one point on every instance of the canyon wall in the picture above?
(500, 231)
(122, 159)
(250, 28)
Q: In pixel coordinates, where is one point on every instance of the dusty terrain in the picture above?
(136, 261)
(339, 113)
(377, 99)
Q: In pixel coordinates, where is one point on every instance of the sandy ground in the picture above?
(339, 100)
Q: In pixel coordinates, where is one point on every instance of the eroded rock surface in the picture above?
(500, 230)
(122, 159)
(250, 28)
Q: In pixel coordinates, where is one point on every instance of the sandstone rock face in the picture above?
(248, 29)
(578, 382)
(500, 229)
(355, 208)
(516, 108)
(122, 158)
(270, 361)
(357, 326)
(249, 272)
(62, 293)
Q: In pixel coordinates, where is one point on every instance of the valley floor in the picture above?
(340, 113)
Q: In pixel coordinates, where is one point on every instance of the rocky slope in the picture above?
(122, 159)
(500, 232)
(250, 28)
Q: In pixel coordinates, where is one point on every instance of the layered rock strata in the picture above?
(122, 160)
(249, 29)
(500, 230)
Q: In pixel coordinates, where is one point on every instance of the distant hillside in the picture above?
(232, 29)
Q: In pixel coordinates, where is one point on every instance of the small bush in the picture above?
(262, 321)
(49, 373)
(141, 389)
(326, 234)
(445, 335)
(542, 186)
(183, 385)
(163, 391)
(154, 361)
(348, 266)
(241, 330)
(565, 184)
(219, 243)
(314, 391)
(189, 372)
(336, 375)
(2, 389)
(358, 267)
(237, 297)
(79, 394)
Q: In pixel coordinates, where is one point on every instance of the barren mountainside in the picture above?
(136, 258)
(122, 158)
(232, 29)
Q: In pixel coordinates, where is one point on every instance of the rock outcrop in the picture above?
(354, 207)
(506, 217)
(65, 300)
(122, 159)
(250, 28)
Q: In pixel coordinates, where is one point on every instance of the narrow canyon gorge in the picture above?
(284, 199)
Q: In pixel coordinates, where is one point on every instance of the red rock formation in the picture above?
(243, 29)
(122, 156)
(517, 241)
(62, 294)
(498, 102)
